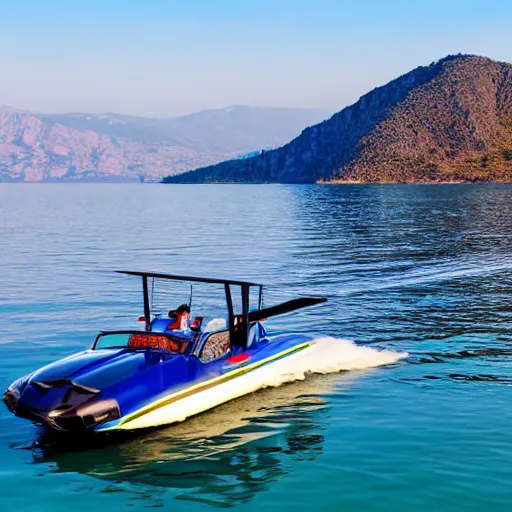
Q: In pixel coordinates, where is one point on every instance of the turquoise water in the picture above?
(422, 269)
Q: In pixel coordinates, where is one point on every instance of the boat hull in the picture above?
(121, 389)
(201, 397)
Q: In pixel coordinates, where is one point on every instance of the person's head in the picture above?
(184, 308)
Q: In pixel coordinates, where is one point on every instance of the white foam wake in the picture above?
(330, 355)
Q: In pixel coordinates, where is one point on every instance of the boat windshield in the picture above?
(141, 340)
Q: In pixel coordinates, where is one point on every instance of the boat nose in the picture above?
(10, 400)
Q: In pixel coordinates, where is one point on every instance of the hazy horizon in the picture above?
(165, 59)
(100, 113)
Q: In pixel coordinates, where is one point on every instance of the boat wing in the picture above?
(285, 307)
(194, 279)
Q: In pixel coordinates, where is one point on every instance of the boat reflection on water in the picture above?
(223, 457)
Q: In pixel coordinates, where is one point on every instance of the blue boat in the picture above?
(164, 373)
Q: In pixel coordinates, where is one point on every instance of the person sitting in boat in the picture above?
(181, 318)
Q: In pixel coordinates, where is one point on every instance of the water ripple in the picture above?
(419, 269)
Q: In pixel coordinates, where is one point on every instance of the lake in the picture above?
(425, 270)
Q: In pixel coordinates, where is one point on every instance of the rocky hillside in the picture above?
(450, 121)
(40, 147)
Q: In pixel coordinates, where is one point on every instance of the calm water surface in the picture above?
(425, 269)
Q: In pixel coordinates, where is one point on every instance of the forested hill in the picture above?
(449, 121)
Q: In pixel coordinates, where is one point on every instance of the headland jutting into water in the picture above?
(448, 122)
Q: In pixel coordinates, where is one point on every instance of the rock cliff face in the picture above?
(33, 150)
(450, 121)
(41, 147)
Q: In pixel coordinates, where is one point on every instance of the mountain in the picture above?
(235, 129)
(39, 147)
(449, 121)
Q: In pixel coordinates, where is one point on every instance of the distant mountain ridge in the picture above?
(449, 121)
(237, 128)
(40, 147)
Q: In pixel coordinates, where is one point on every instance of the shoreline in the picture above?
(447, 182)
(319, 182)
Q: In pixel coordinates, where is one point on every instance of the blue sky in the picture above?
(165, 57)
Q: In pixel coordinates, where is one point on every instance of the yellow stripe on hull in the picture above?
(200, 397)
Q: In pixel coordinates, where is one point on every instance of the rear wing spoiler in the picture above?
(285, 307)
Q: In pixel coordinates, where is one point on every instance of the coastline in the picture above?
(342, 182)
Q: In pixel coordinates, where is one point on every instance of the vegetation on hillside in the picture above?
(450, 121)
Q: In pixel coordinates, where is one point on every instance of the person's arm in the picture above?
(176, 324)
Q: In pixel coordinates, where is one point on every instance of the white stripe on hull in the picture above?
(271, 374)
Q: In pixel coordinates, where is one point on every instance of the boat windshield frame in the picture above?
(190, 340)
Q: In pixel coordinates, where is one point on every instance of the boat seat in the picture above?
(257, 333)
(216, 345)
(172, 344)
